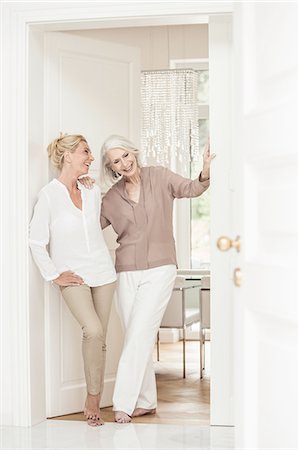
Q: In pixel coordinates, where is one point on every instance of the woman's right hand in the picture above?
(87, 182)
(68, 278)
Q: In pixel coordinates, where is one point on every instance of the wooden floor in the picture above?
(179, 400)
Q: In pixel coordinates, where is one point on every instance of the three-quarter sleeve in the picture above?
(181, 187)
(39, 236)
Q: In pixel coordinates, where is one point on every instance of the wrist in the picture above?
(54, 280)
(204, 176)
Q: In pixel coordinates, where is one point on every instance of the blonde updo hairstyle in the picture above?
(65, 143)
(112, 142)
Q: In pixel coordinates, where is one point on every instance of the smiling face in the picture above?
(81, 158)
(123, 161)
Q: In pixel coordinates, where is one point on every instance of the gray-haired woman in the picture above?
(139, 207)
(66, 216)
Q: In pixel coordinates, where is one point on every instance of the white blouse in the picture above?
(62, 237)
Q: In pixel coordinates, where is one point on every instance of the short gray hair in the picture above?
(112, 142)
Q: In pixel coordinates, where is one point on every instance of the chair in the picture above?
(179, 314)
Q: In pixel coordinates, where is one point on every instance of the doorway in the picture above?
(38, 23)
(69, 47)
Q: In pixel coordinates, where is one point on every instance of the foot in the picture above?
(95, 422)
(92, 410)
(122, 417)
(142, 411)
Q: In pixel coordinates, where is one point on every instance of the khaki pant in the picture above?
(91, 307)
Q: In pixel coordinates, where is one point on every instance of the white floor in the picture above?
(59, 435)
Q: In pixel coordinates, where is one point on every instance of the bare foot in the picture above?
(141, 412)
(95, 422)
(121, 417)
(92, 410)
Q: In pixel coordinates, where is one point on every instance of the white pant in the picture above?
(142, 299)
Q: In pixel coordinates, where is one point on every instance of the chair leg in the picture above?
(201, 354)
(204, 350)
(158, 346)
(184, 352)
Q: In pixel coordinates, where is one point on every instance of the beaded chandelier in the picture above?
(170, 116)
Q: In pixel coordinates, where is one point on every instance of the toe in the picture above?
(122, 417)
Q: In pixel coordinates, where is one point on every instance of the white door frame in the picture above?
(22, 352)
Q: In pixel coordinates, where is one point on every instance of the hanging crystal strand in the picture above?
(170, 117)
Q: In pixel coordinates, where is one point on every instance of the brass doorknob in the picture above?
(237, 277)
(224, 243)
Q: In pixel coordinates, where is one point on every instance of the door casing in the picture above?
(22, 311)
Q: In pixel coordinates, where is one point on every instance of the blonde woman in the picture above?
(66, 218)
(139, 207)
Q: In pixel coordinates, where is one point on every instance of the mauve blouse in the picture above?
(144, 229)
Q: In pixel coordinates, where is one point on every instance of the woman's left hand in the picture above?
(207, 156)
(88, 182)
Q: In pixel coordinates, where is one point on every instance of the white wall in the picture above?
(160, 44)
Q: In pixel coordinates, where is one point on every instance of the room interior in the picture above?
(46, 77)
(180, 46)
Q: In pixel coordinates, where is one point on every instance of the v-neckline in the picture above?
(128, 197)
(133, 201)
(69, 195)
